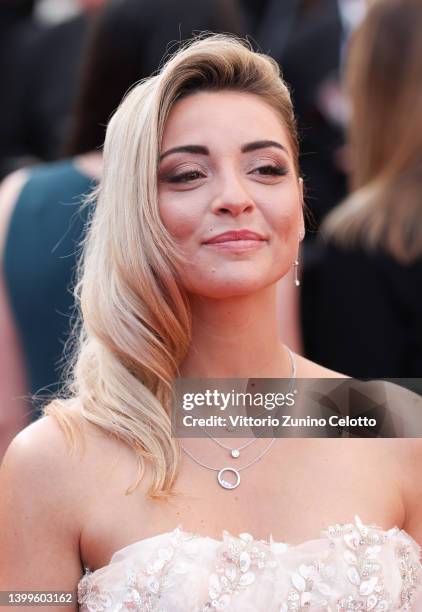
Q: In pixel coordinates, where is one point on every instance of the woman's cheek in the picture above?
(284, 225)
(180, 218)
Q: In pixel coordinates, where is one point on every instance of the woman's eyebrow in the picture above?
(246, 148)
(262, 144)
(197, 149)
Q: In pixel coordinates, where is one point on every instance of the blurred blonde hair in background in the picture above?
(384, 81)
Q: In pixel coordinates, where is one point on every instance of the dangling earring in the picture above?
(296, 265)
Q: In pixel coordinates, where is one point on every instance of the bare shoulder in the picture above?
(402, 458)
(46, 443)
(38, 459)
(402, 396)
(309, 369)
(43, 438)
(409, 452)
(39, 517)
(41, 461)
(48, 491)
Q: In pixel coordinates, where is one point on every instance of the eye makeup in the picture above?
(268, 168)
(182, 173)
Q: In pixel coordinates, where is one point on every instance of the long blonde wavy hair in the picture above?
(135, 324)
(384, 79)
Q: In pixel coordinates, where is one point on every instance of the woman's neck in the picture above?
(236, 338)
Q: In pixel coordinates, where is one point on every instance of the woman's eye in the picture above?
(270, 170)
(185, 177)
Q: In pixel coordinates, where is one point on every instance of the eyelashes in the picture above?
(184, 177)
(271, 170)
(190, 176)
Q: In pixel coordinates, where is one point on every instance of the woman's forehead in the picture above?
(223, 116)
(227, 111)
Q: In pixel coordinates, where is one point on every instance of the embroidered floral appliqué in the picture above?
(347, 573)
(89, 594)
(239, 562)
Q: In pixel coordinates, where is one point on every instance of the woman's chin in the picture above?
(219, 289)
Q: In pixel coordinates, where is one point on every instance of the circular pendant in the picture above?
(224, 483)
(235, 453)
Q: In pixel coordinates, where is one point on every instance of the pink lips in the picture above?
(235, 236)
(237, 242)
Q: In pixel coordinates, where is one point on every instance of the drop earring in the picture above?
(296, 265)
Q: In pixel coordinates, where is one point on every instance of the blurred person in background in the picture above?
(17, 30)
(270, 24)
(55, 11)
(41, 222)
(364, 295)
(312, 63)
(44, 84)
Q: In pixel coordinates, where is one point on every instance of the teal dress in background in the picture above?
(42, 244)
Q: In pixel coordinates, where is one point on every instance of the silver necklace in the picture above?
(235, 452)
(220, 475)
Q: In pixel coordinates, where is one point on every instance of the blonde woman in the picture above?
(367, 284)
(200, 213)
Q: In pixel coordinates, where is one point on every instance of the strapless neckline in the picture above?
(351, 566)
(274, 545)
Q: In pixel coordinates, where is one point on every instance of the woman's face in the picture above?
(228, 193)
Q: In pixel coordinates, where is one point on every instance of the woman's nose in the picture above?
(232, 197)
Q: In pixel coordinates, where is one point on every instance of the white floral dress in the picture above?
(351, 567)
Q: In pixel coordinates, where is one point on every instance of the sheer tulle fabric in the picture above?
(350, 567)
